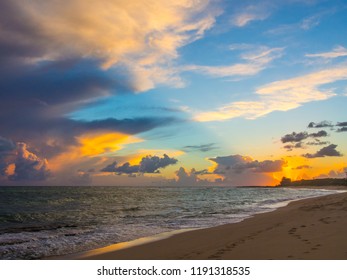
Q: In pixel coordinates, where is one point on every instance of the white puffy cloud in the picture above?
(281, 95)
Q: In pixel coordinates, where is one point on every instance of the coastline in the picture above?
(313, 228)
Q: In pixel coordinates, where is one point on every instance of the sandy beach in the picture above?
(314, 228)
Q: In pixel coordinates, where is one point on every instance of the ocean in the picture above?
(40, 222)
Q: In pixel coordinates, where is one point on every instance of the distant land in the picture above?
(287, 182)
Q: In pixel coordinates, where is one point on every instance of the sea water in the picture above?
(39, 222)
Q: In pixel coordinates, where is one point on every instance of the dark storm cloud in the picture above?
(320, 124)
(201, 148)
(328, 151)
(39, 88)
(36, 99)
(148, 164)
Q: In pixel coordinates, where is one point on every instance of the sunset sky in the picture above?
(172, 93)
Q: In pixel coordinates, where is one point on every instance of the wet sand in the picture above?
(314, 228)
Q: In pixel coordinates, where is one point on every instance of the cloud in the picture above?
(298, 137)
(6, 145)
(142, 39)
(231, 160)
(304, 24)
(143, 31)
(294, 137)
(200, 148)
(310, 22)
(7, 148)
(317, 143)
(17, 163)
(328, 151)
(250, 13)
(239, 164)
(340, 173)
(342, 125)
(81, 179)
(279, 96)
(104, 143)
(342, 129)
(186, 179)
(202, 172)
(321, 133)
(320, 124)
(255, 62)
(148, 164)
(240, 170)
(291, 147)
(301, 167)
(338, 51)
(57, 59)
(47, 93)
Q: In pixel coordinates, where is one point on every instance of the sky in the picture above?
(172, 93)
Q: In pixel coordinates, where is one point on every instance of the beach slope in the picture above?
(314, 228)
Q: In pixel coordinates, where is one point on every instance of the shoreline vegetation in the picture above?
(287, 182)
(313, 228)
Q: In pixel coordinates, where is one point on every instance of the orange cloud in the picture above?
(92, 145)
(96, 145)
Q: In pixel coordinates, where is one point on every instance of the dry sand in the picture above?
(314, 228)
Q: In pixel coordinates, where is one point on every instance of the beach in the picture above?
(314, 228)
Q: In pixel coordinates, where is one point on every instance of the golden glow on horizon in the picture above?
(300, 168)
